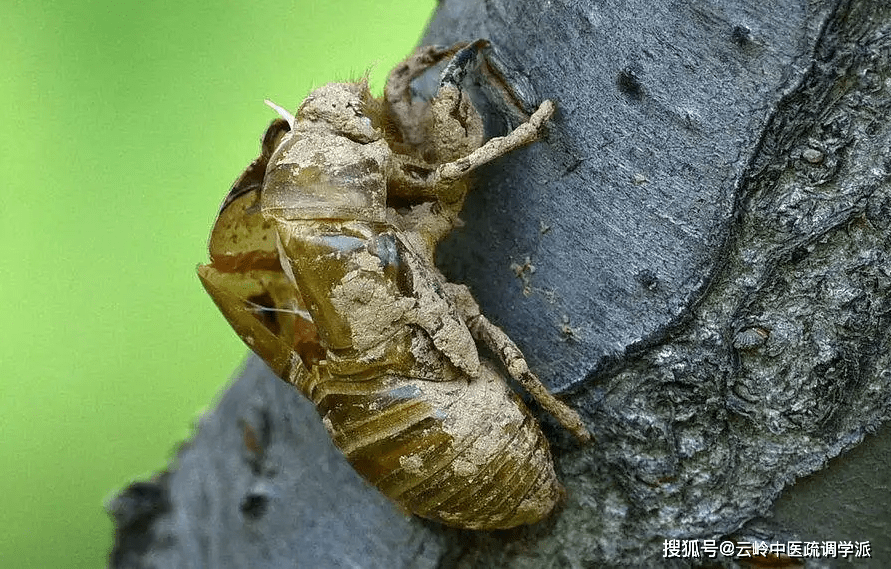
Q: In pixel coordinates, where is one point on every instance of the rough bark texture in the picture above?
(698, 257)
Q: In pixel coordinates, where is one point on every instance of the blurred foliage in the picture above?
(124, 123)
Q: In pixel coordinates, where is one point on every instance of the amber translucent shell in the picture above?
(466, 453)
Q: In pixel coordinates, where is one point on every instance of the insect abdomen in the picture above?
(465, 453)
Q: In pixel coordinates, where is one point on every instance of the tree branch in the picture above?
(708, 224)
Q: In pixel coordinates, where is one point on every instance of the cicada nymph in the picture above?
(322, 261)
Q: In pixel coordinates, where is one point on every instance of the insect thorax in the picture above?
(317, 173)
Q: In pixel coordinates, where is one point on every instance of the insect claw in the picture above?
(283, 113)
(457, 68)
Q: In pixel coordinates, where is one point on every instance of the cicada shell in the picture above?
(322, 261)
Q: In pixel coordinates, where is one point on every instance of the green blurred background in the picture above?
(123, 125)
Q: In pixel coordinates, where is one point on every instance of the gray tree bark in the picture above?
(697, 258)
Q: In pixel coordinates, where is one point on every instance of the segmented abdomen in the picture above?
(466, 453)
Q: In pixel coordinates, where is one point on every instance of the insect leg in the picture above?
(398, 86)
(410, 180)
(406, 112)
(524, 134)
(512, 358)
(510, 90)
